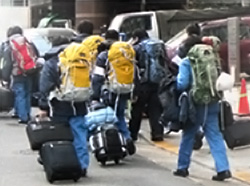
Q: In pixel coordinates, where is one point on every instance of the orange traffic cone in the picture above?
(243, 105)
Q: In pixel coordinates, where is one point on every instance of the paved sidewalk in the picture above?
(238, 158)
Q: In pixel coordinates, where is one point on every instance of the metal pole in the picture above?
(143, 5)
(234, 48)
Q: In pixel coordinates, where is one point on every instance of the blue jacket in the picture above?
(49, 80)
(184, 77)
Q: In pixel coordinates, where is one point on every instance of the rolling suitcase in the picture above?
(108, 144)
(7, 99)
(237, 134)
(39, 132)
(225, 115)
(60, 161)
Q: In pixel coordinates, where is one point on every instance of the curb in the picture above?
(240, 176)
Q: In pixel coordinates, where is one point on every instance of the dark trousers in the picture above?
(147, 100)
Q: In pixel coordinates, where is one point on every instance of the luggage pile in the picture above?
(106, 142)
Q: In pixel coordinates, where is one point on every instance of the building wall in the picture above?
(101, 12)
(23, 14)
(65, 9)
(95, 11)
(13, 2)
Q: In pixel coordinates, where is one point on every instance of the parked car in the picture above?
(42, 37)
(219, 28)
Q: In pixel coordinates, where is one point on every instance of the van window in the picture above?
(132, 23)
(221, 32)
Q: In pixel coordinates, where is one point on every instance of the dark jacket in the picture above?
(99, 74)
(188, 44)
(49, 80)
(80, 37)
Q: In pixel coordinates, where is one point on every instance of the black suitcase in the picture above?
(39, 132)
(7, 99)
(225, 115)
(108, 144)
(237, 134)
(60, 161)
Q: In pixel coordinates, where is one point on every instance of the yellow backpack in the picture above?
(92, 43)
(75, 73)
(121, 57)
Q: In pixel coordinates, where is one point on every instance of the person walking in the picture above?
(99, 77)
(204, 99)
(72, 112)
(20, 56)
(145, 91)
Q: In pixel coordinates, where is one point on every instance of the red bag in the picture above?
(24, 54)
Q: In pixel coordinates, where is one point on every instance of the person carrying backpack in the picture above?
(151, 57)
(114, 69)
(84, 28)
(20, 56)
(64, 90)
(198, 73)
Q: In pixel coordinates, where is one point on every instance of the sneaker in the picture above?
(181, 172)
(14, 116)
(221, 176)
(134, 137)
(157, 138)
(131, 147)
(22, 122)
(84, 173)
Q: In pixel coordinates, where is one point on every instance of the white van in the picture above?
(165, 24)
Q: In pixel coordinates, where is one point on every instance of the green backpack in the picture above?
(205, 73)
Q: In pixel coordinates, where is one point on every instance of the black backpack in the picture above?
(168, 97)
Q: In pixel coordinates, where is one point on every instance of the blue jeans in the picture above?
(22, 87)
(120, 113)
(207, 116)
(80, 133)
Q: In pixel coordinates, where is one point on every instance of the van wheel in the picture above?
(76, 179)
(117, 161)
(103, 163)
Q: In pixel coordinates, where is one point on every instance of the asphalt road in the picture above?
(18, 166)
(151, 166)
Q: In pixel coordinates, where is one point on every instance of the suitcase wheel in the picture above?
(103, 162)
(117, 161)
(76, 179)
(51, 180)
(49, 177)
